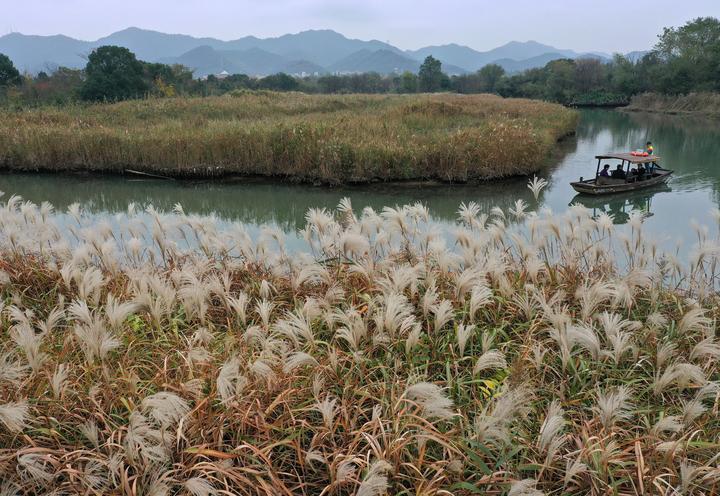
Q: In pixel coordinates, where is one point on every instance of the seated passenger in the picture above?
(641, 172)
(606, 171)
(619, 173)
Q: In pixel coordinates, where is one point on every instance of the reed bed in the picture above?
(313, 138)
(527, 353)
(693, 103)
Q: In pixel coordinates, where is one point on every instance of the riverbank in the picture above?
(309, 138)
(704, 104)
(171, 355)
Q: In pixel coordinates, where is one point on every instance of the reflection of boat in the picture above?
(602, 185)
(620, 206)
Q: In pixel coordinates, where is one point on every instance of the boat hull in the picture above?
(590, 188)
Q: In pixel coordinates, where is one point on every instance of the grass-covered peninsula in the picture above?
(319, 138)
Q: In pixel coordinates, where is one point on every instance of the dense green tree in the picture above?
(430, 77)
(490, 76)
(279, 82)
(692, 56)
(408, 82)
(9, 75)
(112, 74)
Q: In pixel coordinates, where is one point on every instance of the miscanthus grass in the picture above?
(326, 138)
(526, 353)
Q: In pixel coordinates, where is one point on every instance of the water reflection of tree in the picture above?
(255, 202)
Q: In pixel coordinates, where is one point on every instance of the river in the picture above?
(689, 146)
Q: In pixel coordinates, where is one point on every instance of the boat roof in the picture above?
(633, 159)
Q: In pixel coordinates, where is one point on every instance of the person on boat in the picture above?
(619, 173)
(641, 172)
(606, 171)
(649, 148)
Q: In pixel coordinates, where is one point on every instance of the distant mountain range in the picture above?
(304, 53)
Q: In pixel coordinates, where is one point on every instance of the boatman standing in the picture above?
(649, 148)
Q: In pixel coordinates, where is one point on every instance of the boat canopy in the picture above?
(633, 159)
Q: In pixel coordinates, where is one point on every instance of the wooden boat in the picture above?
(602, 185)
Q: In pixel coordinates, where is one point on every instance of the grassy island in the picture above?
(316, 138)
(523, 354)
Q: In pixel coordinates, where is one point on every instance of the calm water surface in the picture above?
(689, 146)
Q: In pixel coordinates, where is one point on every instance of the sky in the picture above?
(582, 25)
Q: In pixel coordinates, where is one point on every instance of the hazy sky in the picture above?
(605, 25)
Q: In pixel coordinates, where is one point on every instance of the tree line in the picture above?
(684, 60)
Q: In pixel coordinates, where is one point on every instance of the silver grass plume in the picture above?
(613, 406)
(431, 399)
(375, 482)
(491, 359)
(199, 486)
(550, 439)
(525, 487)
(14, 415)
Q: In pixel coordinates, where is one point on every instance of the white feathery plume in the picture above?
(444, 312)
(431, 399)
(463, 334)
(665, 352)
(694, 319)
(11, 370)
(199, 486)
(493, 423)
(491, 359)
(574, 469)
(345, 470)
(95, 340)
(117, 312)
(525, 487)
(536, 185)
(480, 296)
(327, 409)
(262, 369)
(165, 407)
(375, 482)
(59, 377)
(429, 299)
(413, 337)
(14, 415)
(29, 341)
(298, 359)
(681, 374)
(239, 305)
(90, 431)
(550, 440)
(669, 423)
(707, 348)
(613, 406)
(36, 467)
(230, 382)
(584, 337)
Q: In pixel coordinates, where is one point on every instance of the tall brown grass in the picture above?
(167, 356)
(354, 138)
(693, 103)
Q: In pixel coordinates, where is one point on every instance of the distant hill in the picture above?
(41, 53)
(472, 60)
(206, 60)
(312, 51)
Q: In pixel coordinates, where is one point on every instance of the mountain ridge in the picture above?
(318, 51)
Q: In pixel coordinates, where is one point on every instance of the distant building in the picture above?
(222, 75)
